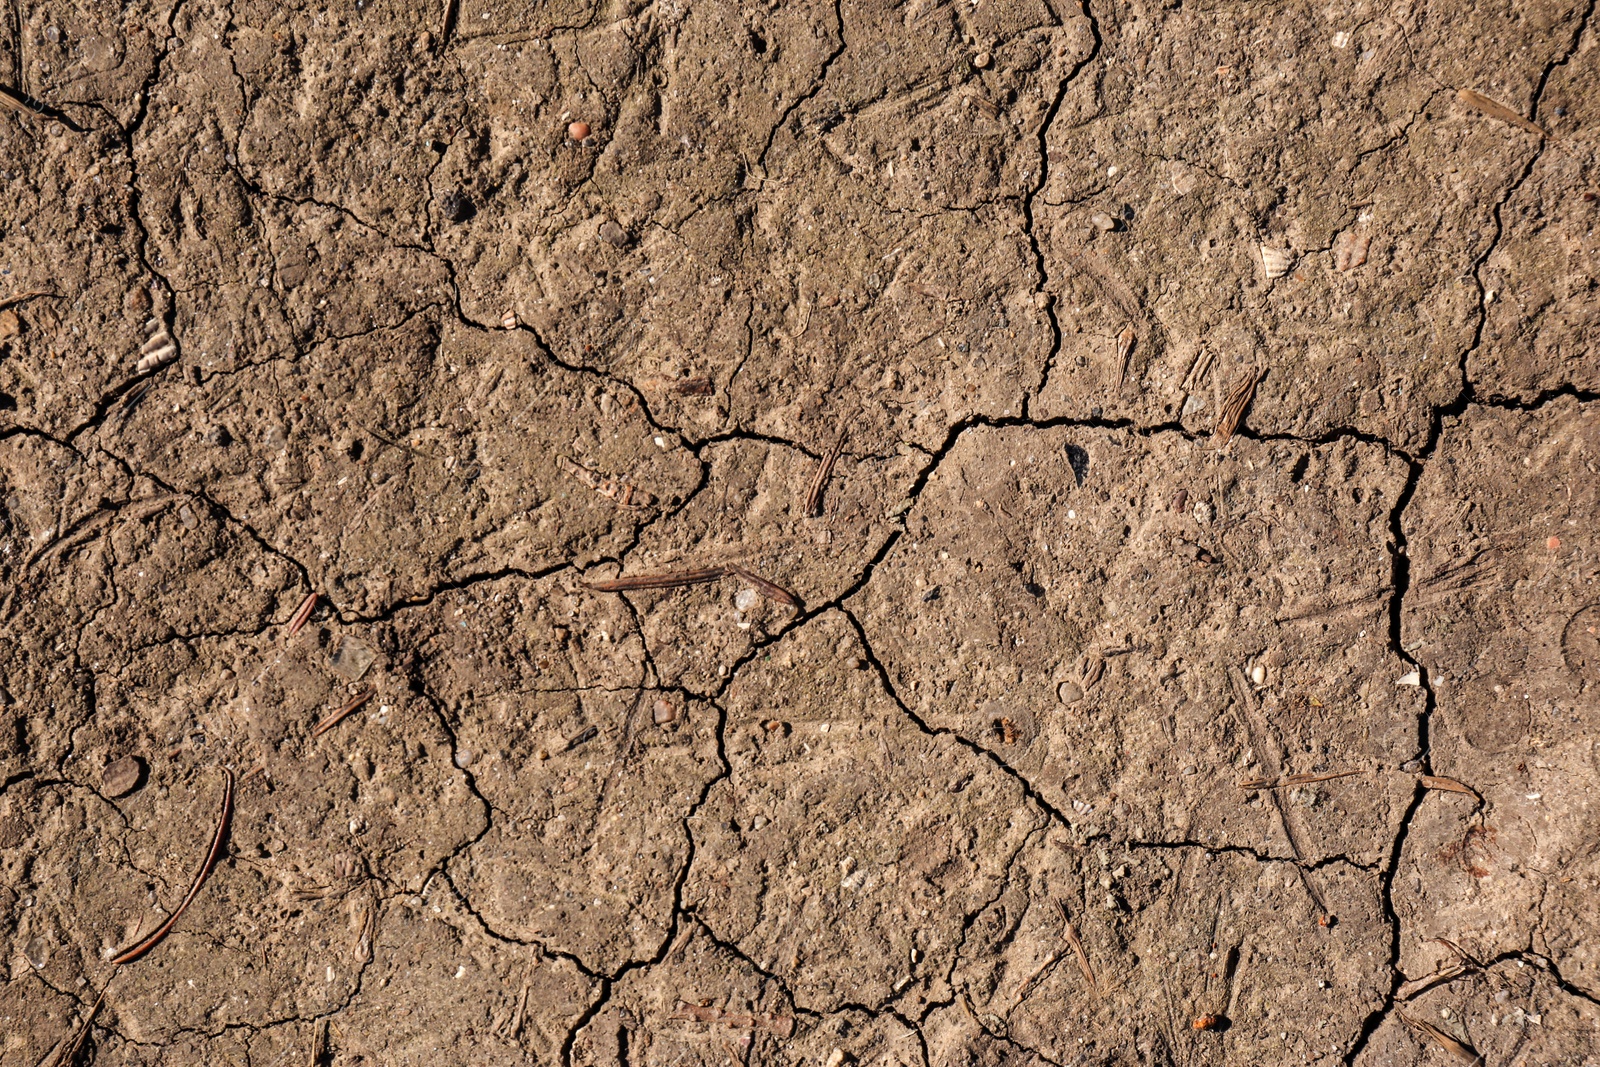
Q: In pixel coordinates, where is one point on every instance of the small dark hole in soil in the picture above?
(758, 42)
(1298, 471)
(355, 450)
(458, 207)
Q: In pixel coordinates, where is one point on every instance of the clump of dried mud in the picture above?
(1015, 685)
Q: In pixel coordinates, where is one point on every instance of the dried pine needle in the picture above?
(68, 1052)
(1448, 785)
(771, 590)
(1293, 779)
(1077, 949)
(1461, 1051)
(12, 100)
(818, 483)
(218, 838)
(1496, 110)
(349, 708)
(659, 581)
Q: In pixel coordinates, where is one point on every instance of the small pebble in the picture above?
(1553, 543)
(664, 712)
(120, 776)
(578, 131)
(746, 599)
(1069, 692)
(1258, 674)
(981, 60)
(1103, 222)
(464, 758)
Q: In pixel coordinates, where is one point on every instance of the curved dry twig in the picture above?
(217, 840)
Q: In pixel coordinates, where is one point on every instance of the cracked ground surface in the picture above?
(1089, 724)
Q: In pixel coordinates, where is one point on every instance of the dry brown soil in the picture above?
(1095, 737)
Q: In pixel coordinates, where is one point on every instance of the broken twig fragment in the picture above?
(349, 708)
(1496, 110)
(820, 481)
(1448, 785)
(218, 838)
(68, 1052)
(1233, 410)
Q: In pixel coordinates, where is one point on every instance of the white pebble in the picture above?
(746, 599)
(464, 758)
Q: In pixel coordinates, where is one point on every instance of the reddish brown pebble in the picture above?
(578, 131)
(1553, 543)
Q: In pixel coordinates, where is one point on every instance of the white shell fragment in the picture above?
(1276, 261)
(509, 319)
(1409, 678)
(158, 348)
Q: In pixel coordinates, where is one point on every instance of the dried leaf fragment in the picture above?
(1233, 410)
(1496, 110)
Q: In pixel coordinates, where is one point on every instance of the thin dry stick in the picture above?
(1293, 779)
(302, 613)
(217, 840)
(820, 481)
(772, 590)
(66, 1053)
(22, 298)
(1496, 110)
(1448, 785)
(1077, 949)
(343, 713)
(659, 581)
(1461, 1051)
(1233, 409)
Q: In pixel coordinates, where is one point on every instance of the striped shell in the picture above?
(1276, 261)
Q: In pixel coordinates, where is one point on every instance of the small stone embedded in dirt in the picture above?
(1069, 692)
(349, 658)
(578, 131)
(663, 712)
(38, 952)
(121, 776)
(613, 235)
(457, 206)
(746, 599)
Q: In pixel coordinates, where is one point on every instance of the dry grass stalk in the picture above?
(12, 100)
(1496, 110)
(1233, 410)
(1448, 785)
(218, 838)
(674, 580)
(1460, 1050)
(820, 481)
(68, 1052)
(302, 613)
(1077, 949)
(1125, 342)
(349, 708)
(1293, 779)
(771, 590)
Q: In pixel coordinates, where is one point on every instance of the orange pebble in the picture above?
(578, 131)
(1553, 543)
